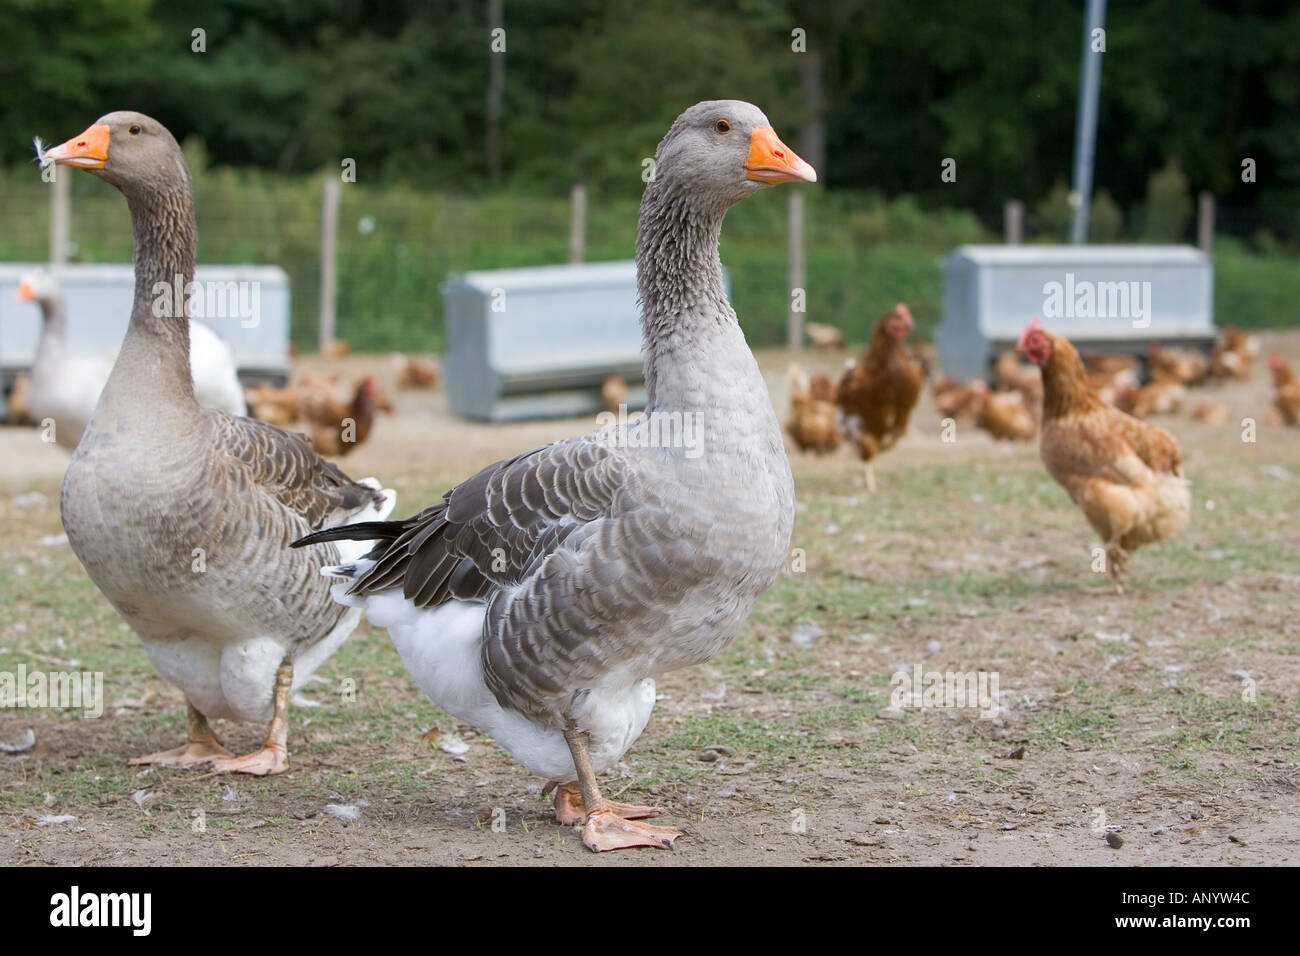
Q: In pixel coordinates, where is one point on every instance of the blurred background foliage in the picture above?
(289, 88)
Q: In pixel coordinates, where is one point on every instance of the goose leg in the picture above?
(570, 810)
(274, 755)
(605, 829)
(203, 746)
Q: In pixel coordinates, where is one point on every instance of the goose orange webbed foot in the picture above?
(269, 760)
(203, 746)
(570, 811)
(191, 754)
(274, 755)
(606, 830)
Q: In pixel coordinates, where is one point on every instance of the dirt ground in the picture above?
(1165, 719)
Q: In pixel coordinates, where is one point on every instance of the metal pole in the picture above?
(577, 222)
(1085, 129)
(798, 272)
(329, 229)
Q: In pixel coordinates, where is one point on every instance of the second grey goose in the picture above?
(182, 515)
(540, 599)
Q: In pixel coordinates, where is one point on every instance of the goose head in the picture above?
(126, 149)
(39, 287)
(724, 151)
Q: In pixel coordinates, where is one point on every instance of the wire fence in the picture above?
(396, 246)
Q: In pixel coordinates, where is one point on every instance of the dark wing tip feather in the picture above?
(361, 531)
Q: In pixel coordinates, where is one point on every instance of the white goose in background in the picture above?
(65, 387)
(539, 599)
(182, 515)
(62, 388)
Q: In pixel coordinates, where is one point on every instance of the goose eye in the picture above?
(135, 129)
(722, 126)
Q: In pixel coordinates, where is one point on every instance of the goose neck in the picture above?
(154, 364)
(54, 328)
(684, 305)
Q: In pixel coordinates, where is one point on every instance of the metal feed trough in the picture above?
(1112, 299)
(247, 306)
(539, 342)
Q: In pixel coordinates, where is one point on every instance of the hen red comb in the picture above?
(1035, 325)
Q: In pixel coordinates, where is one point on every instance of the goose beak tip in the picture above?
(88, 151)
(771, 161)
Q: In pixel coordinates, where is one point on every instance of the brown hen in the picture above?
(1124, 474)
(337, 426)
(877, 394)
(1006, 415)
(1286, 389)
(1233, 356)
(1176, 366)
(812, 412)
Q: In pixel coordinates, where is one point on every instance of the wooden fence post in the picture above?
(1013, 222)
(577, 222)
(329, 228)
(59, 218)
(1205, 223)
(798, 291)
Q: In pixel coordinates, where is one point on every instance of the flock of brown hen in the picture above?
(1087, 410)
(337, 417)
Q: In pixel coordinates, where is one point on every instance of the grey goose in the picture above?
(540, 598)
(182, 515)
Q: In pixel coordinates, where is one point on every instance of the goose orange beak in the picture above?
(25, 292)
(771, 161)
(89, 150)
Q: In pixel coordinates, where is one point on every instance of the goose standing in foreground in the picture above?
(182, 515)
(65, 387)
(540, 598)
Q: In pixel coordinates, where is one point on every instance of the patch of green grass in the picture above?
(1001, 777)
(1082, 713)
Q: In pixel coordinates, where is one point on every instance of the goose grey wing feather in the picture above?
(281, 488)
(492, 530)
(285, 466)
(580, 563)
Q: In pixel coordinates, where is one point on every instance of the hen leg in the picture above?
(570, 810)
(605, 829)
(274, 755)
(203, 746)
(1117, 564)
(869, 477)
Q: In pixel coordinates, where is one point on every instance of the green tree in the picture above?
(1168, 204)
